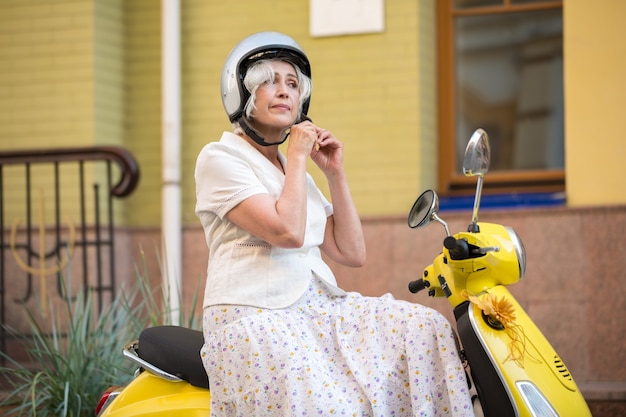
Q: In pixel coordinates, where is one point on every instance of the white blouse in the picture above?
(244, 269)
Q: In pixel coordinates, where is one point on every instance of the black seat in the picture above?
(175, 350)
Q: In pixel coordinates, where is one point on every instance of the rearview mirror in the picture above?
(476, 164)
(477, 154)
(425, 210)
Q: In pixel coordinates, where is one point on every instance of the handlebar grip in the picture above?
(458, 248)
(418, 285)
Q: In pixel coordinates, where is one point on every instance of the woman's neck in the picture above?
(270, 152)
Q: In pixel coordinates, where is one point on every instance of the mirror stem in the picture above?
(479, 188)
(438, 219)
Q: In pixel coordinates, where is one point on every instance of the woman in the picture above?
(281, 338)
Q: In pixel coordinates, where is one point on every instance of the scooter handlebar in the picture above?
(458, 248)
(418, 285)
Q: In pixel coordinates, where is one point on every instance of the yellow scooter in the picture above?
(514, 369)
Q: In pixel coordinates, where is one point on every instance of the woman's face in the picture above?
(277, 101)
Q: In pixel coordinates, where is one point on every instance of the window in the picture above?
(500, 67)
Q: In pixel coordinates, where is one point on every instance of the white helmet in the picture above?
(262, 45)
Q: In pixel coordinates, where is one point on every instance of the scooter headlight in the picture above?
(519, 251)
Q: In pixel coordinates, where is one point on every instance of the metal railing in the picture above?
(33, 251)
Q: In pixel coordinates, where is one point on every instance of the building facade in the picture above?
(88, 72)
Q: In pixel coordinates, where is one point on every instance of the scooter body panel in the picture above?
(151, 396)
(540, 366)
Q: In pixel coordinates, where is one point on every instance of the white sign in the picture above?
(346, 17)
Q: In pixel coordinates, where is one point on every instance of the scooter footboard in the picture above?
(515, 369)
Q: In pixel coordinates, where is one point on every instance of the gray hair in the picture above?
(261, 72)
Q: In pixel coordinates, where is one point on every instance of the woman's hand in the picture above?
(302, 139)
(327, 152)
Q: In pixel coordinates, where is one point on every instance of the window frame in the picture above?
(451, 183)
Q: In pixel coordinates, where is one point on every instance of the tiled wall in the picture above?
(574, 289)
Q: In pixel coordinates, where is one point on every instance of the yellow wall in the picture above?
(142, 74)
(61, 85)
(83, 72)
(595, 101)
(367, 90)
(108, 61)
(47, 73)
(375, 92)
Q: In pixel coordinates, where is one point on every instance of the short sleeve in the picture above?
(223, 180)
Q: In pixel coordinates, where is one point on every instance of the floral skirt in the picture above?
(328, 355)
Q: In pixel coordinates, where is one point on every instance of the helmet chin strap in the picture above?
(254, 135)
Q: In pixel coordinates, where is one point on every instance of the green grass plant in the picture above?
(72, 364)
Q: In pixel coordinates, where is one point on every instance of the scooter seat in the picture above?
(175, 350)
